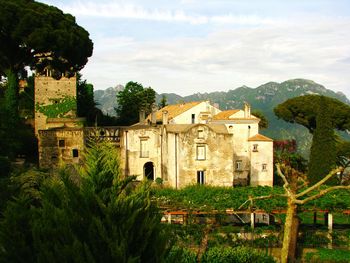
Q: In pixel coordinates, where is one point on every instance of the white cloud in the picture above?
(132, 11)
(228, 58)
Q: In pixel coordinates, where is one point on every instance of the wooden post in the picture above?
(169, 218)
(252, 220)
(330, 230)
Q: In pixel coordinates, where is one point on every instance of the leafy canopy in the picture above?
(29, 28)
(131, 100)
(303, 110)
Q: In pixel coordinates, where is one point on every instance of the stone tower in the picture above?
(54, 98)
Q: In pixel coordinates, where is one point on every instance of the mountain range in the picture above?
(263, 98)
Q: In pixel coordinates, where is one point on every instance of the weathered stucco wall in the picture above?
(261, 163)
(64, 145)
(186, 117)
(47, 88)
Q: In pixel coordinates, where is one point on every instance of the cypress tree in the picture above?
(323, 149)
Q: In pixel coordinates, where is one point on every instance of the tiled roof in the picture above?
(175, 109)
(260, 137)
(225, 115)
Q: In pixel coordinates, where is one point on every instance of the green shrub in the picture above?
(328, 255)
(236, 254)
(181, 255)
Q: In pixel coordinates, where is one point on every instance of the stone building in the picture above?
(182, 144)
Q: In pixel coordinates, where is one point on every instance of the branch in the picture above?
(286, 184)
(251, 199)
(321, 182)
(321, 193)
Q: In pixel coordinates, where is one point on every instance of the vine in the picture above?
(58, 108)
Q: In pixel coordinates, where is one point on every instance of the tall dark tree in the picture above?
(264, 122)
(131, 100)
(323, 148)
(163, 102)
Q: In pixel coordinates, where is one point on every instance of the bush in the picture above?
(181, 255)
(236, 254)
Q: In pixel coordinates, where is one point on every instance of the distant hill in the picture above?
(263, 98)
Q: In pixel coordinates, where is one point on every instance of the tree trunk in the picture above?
(290, 233)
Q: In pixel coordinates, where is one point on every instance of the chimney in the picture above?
(246, 110)
(165, 117)
(153, 115)
(141, 116)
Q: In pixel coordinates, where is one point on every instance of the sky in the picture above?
(190, 46)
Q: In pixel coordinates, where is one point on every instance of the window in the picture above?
(200, 134)
(200, 177)
(201, 152)
(61, 143)
(255, 147)
(239, 165)
(193, 118)
(144, 153)
(264, 167)
(75, 153)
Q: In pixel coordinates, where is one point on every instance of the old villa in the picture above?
(182, 144)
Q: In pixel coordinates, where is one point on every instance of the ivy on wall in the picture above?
(58, 108)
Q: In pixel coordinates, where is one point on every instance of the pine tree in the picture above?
(323, 149)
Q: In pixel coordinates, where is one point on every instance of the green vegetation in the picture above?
(208, 198)
(58, 108)
(328, 255)
(131, 100)
(91, 216)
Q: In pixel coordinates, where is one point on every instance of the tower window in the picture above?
(239, 165)
(193, 118)
(264, 167)
(200, 134)
(61, 143)
(200, 177)
(255, 147)
(75, 153)
(201, 152)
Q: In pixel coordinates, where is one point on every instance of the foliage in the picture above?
(30, 28)
(328, 255)
(58, 108)
(264, 122)
(93, 216)
(26, 100)
(163, 102)
(86, 106)
(208, 198)
(181, 255)
(131, 100)
(323, 149)
(236, 254)
(304, 110)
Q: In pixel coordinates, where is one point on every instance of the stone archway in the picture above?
(148, 171)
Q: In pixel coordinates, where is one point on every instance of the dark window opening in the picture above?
(200, 177)
(75, 153)
(193, 118)
(61, 143)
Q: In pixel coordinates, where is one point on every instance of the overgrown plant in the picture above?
(95, 215)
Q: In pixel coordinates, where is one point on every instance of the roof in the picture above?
(175, 109)
(260, 137)
(225, 115)
(179, 128)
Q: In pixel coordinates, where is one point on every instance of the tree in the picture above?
(264, 122)
(296, 195)
(163, 102)
(323, 148)
(39, 36)
(304, 109)
(131, 100)
(96, 215)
